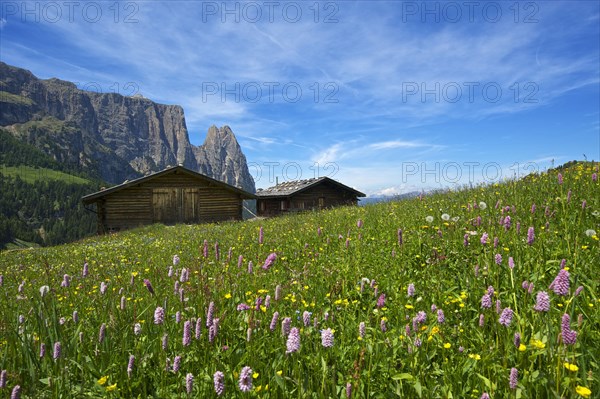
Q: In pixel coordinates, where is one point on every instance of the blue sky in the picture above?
(385, 96)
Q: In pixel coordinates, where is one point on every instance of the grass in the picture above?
(335, 270)
(31, 175)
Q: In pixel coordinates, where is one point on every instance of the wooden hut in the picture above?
(171, 196)
(302, 195)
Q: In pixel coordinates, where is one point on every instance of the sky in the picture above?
(387, 97)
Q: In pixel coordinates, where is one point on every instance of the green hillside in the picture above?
(40, 197)
(492, 290)
(30, 174)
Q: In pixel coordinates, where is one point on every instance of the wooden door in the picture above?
(175, 205)
(165, 205)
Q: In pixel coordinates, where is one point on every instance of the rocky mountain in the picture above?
(112, 136)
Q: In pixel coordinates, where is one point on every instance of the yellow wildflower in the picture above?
(571, 367)
(103, 380)
(583, 391)
(447, 345)
(227, 296)
(522, 348)
(111, 387)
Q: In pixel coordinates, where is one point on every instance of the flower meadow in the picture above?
(488, 292)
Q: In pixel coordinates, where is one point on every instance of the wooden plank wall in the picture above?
(172, 198)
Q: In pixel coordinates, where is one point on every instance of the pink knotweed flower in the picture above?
(382, 325)
(410, 290)
(594, 177)
(498, 259)
(286, 325)
(274, 321)
(306, 318)
(198, 331)
(511, 262)
(530, 236)
(187, 333)
(327, 338)
(506, 317)
(210, 314)
(159, 315)
(485, 395)
(205, 249)
(178, 317)
(3, 378)
(137, 328)
(498, 306)
(130, 365)
(496, 242)
(481, 320)
(176, 364)
(189, 383)
(560, 285)
(240, 261)
(165, 341)
(42, 349)
(269, 261)
(513, 378)
(66, 281)
(277, 292)
(245, 382)
(421, 317)
(175, 260)
(184, 276)
(578, 290)
(507, 222)
(440, 316)
(583, 204)
(542, 302)
(250, 267)
(517, 339)
(102, 333)
(85, 270)
(219, 382)
(569, 336)
(362, 329)
(486, 301)
(122, 305)
(348, 390)
(16, 392)
(560, 178)
(268, 301)
(217, 251)
(484, 238)
(212, 333)
(381, 301)
(518, 227)
(293, 341)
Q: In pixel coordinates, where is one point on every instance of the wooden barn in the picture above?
(171, 196)
(303, 195)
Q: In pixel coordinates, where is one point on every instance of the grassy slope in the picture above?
(321, 274)
(30, 174)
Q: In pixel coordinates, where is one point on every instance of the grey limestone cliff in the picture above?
(114, 136)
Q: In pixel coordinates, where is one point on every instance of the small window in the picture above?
(321, 202)
(283, 205)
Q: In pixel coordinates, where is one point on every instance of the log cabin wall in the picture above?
(172, 198)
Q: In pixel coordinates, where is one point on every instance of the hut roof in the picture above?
(288, 188)
(90, 198)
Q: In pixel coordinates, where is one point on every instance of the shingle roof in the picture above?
(94, 196)
(295, 186)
